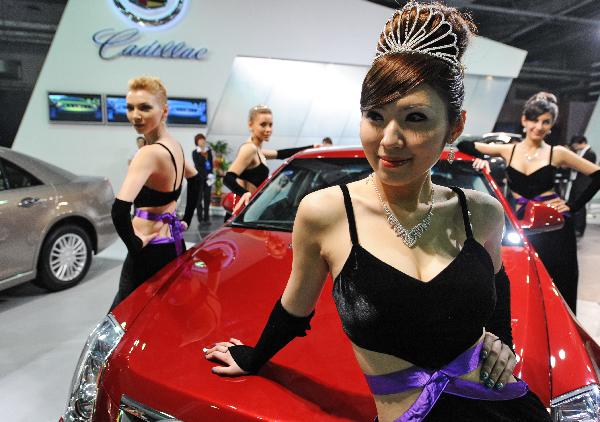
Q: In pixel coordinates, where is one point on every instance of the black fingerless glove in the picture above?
(500, 320)
(121, 218)
(193, 193)
(282, 154)
(468, 147)
(282, 327)
(578, 203)
(230, 181)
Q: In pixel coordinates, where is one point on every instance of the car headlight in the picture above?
(100, 344)
(581, 405)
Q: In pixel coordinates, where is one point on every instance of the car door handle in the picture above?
(28, 202)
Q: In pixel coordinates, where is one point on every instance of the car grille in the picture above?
(133, 411)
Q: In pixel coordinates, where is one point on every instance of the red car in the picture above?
(145, 361)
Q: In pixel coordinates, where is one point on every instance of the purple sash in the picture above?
(444, 380)
(522, 201)
(174, 225)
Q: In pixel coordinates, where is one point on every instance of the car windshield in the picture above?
(275, 206)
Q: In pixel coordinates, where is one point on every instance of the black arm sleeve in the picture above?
(577, 203)
(288, 152)
(282, 327)
(468, 147)
(193, 193)
(232, 184)
(500, 321)
(121, 217)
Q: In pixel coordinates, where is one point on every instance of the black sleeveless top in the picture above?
(148, 197)
(534, 184)
(256, 175)
(426, 323)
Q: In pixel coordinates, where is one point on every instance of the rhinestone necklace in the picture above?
(409, 237)
(534, 156)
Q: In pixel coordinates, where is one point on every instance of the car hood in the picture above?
(226, 287)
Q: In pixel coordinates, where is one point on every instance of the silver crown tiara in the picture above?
(419, 40)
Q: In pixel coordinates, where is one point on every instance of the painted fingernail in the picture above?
(484, 354)
(489, 383)
(204, 349)
(499, 386)
(212, 370)
(483, 375)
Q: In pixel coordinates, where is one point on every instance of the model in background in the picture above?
(530, 170)
(249, 169)
(203, 161)
(327, 142)
(579, 182)
(413, 298)
(153, 183)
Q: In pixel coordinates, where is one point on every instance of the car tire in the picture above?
(65, 258)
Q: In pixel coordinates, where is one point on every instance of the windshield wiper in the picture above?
(258, 225)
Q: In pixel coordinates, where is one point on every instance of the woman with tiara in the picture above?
(417, 300)
(530, 170)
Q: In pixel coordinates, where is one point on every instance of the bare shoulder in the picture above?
(560, 152)
(148, 154)
(248, 148)
(320, 209)
(487, 213)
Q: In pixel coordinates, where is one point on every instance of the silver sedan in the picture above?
(51, 221)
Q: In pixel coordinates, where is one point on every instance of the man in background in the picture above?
(579, 181)
(327, 142)
(203, 161)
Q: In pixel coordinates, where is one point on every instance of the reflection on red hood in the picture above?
(227, 289)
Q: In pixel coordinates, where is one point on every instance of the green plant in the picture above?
(220, 163)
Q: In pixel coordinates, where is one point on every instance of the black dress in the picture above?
(557, 249)
(139, 267)
(428, 324)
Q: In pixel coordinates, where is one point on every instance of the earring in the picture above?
(549, 132)
(524, 130)
(451, 154)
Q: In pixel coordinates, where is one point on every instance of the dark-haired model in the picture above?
(530, 170)
(417, 301)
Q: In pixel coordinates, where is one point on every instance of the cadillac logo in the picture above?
(150, 13)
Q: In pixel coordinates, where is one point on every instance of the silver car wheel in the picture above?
(68, 257)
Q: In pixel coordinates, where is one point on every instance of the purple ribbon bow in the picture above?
(174, 224)
(444, 380)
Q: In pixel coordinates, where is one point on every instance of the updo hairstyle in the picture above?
(540, 103)
(152, 84)
(256, 110)
(393, 75)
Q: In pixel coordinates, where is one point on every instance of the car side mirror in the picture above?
(540, 218)
(229, 201)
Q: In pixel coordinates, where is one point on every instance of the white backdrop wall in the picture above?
(322, 49)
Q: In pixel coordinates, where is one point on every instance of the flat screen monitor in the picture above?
(187, 111)
(116, 109)
(69, 107)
